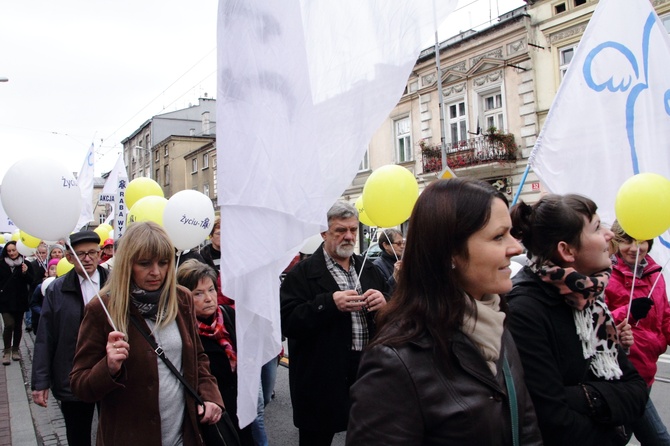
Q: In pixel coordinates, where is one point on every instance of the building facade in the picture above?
(142, 148)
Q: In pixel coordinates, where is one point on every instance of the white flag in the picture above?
(85, 181)
(6, 224)
(611, 116)
(113, 193)
(303, 85)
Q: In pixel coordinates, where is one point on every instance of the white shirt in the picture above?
(88, 289)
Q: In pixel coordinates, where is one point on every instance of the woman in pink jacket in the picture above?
(649, 318)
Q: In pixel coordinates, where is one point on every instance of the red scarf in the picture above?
(217, 331)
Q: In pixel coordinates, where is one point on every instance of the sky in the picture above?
(85, 72)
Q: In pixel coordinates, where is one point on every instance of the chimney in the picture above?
(205, 123)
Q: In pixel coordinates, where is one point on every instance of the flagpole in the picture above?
(440, 94)
(523, 180)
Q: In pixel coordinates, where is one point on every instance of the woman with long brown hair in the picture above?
(442, 368)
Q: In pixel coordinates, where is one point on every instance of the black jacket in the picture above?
(14, 287)
(402, 397)
(544, 331)
(56, 340)
(226, 378)
(319, 342)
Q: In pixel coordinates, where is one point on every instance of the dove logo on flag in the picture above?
(626, 82)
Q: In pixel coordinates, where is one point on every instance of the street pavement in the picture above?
(24, 423)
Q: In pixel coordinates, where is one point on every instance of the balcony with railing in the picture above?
(490, 148)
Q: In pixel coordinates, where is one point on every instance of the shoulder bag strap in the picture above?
(161, 354)
(511, 393)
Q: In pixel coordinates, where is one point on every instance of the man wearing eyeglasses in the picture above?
(62, 312)
(393, 245)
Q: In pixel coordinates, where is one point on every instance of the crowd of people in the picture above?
(434, 342)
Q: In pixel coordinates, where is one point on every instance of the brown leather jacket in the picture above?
(129, 405)
(403, 398)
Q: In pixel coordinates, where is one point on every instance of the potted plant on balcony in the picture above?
(503, 140)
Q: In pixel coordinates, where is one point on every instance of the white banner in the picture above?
(611, 116)
(113, 193)
(6, 224)
(85, 182)
(303, 85)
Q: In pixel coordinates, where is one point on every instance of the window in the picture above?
(580, 2)
(559, 8)
(101, 218)
(457, 122)
(403, 140)
(205, 161)
(156, 157)
(158, 171)
(565, 56)
(666, 21)
(194, 165)
(365, 162)
(165, 150)
(166, 175)
(493, 112)
(205, 189)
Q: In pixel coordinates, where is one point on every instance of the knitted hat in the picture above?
(53, 262)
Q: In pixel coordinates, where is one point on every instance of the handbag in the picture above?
(222, 433)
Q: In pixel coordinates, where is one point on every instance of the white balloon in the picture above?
(24, 250)
(47, 208)
(188, 218)
(46, 284)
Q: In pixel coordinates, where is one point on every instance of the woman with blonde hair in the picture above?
(141, 400)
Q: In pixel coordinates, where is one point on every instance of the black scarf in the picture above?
(145, 301)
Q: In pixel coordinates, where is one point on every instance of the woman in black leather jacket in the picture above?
(435, 373)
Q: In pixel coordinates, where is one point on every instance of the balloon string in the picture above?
(660, 273)
(358, 276)
(97, 293)
(632, 286)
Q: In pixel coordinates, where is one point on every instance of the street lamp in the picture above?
(151, 161)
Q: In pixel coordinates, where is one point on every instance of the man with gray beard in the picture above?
(328, 303)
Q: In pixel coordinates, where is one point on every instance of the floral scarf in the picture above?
(217, 331)
(593, 320)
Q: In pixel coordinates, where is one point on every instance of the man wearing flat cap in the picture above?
(62, 312)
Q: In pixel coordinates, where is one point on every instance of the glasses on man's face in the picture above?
(399, 243)
(92, 254)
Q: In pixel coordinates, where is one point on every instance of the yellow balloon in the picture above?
(389, 195)
(2, 239)
(16, 236)
(103, 233)
(642, 206)
(148, 209)
(362, 216)
(142, 187)
(106, 227)
(29, 240)
(63, 267)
